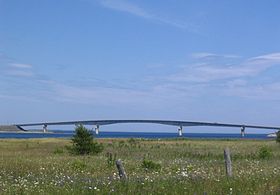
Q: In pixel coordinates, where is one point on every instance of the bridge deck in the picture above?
(163, 122)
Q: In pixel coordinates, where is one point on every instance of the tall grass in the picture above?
(43, 166)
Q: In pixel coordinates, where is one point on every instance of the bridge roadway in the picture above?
(179, 124)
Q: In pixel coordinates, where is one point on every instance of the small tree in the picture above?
(278, 136)
(83, 143)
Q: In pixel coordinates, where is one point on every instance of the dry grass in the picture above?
(32, 166)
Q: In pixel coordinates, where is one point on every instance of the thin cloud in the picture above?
(20, 66)
(20, 98)
(20, 73)
(18, 70)
(194, 81)
(212, 73)
(12, 68)
(154, 96)
(270, 91)
(270, 57)
(206, 55)
(125, 6)
(101, 95)
(209, 72)
(128, 7)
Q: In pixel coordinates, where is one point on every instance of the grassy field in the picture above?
(43, 166)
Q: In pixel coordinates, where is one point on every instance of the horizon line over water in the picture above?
(146, 135)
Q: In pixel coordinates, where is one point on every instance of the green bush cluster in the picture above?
(150, 165)
(58, 151)
(265, 152)
(79, 165)
(83, 143)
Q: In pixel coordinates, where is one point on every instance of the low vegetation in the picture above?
(278, 137)
(83, 142)
(265, 152)
(44, 166)
(150, 165)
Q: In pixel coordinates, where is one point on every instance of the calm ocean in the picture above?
(69, 134)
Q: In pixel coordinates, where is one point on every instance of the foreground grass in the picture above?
(43, 166)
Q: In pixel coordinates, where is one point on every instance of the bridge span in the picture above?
(179, 124)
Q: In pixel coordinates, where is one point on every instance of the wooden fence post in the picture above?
(121, 170)
(228, 162)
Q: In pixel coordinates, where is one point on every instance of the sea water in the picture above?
(148, 135)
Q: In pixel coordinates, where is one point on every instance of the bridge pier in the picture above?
(242, 131)
(45, 128)
(180, 131)
(97, 130)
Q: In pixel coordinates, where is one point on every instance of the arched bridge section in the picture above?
(180, 124)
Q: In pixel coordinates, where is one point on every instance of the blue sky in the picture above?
(216, 61)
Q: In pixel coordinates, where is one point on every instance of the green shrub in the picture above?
(265, 152)
(83, 143)
(150, 165)
(78, 165)
(58, 151)
(121, 143)
(133, 142)
(278, 136)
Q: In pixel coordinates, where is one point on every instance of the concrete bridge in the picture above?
(179, 124)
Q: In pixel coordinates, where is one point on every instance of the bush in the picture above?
(58, 151)
(278, 136)
(150, 165)
(78, 165)
(265, 152)
(133, 142)
(83, 143)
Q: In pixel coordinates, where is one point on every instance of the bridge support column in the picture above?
(97, 129)
(45, 128)
(180, 131)
(242, 131)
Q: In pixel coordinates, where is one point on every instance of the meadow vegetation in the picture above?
(175, 166)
